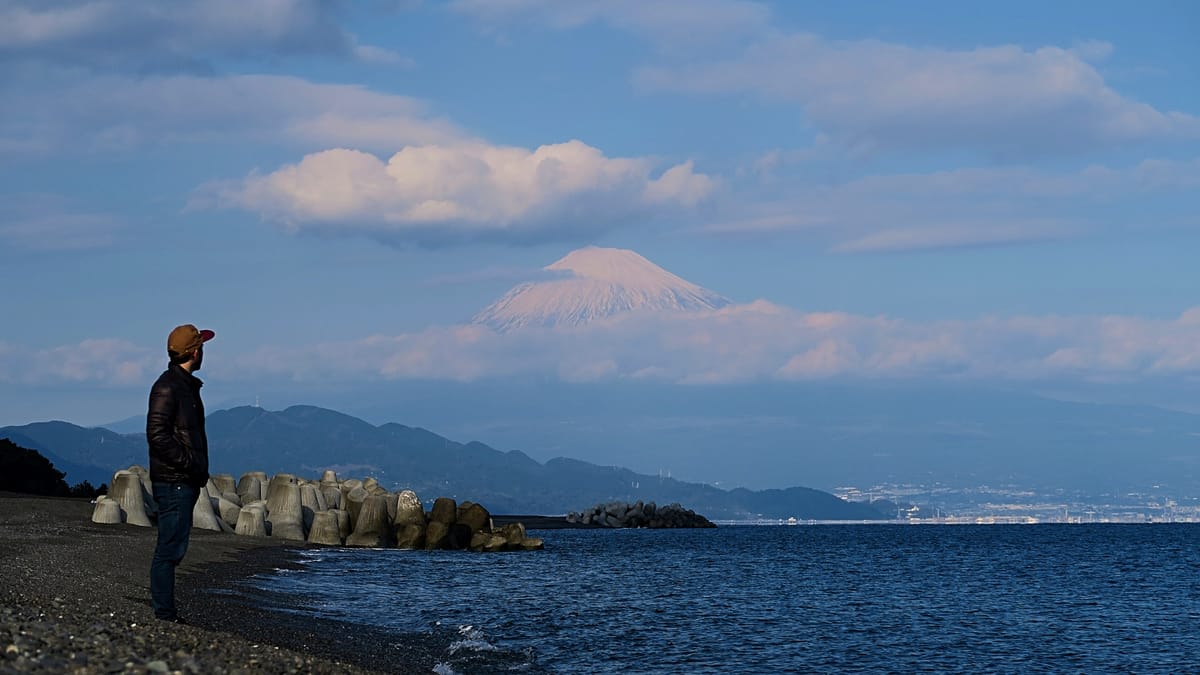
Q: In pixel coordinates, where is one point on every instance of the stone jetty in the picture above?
(327, 511)
(638, 514)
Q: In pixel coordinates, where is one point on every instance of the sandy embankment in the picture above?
(74, 597)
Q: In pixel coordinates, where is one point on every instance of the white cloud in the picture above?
(126, 113)
(961, 207)
(436, 193)
(677, 22)
(757, 342)
(763, 342)
(491, 274)
(151, 36)
(41, 222)
(372, 54)
(1006, 100)
(679, 184)
(962, 234)
(102, 361)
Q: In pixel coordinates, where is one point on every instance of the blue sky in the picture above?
(1000, 193)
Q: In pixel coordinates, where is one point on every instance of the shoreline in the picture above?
(220, 598)
(75, 598)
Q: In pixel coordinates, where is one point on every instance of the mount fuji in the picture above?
(600, 283)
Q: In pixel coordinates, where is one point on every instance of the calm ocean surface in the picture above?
(871, 598)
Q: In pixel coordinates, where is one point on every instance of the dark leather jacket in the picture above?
(175, 429)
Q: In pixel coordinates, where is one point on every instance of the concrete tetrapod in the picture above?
(441, 521)
(408, 524)
(410, 536)
(514, 533)
(488, 541)
(203, 516)
(127, 491)
(224, 483)
(311, 502)
(284, 511)
(263, 481)
(325, 529)
(143, 475)
(107, 511)
(249, 488)
(445, 510)
(343, 522)
(408, 509)
(436, 534)
(226, 509)
(348, 485)
(372, 528)
(333, 496)
(354, 503)
(281, 479)
(252, 521)
(474, 516)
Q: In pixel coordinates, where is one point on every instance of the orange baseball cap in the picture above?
(187, 338)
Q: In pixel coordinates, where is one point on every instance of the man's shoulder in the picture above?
(165, 381)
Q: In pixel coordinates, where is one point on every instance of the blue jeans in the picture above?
(175, 503)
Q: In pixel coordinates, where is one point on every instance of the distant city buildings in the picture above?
(984, 504)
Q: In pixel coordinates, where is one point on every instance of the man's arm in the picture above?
(160, 428)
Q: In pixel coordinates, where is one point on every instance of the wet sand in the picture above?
(75, 598)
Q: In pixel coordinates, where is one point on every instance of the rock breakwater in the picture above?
(328, 511)
(639, 514)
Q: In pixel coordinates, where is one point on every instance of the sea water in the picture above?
(869, 598)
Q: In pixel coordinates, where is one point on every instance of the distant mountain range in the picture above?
(307, 440)
(90, 454)
(598, 283)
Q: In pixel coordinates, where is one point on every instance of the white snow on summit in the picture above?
(604, 282)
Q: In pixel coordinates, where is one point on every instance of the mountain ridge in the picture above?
(309, 439)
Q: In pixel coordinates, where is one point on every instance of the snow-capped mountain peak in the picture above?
(602, 282)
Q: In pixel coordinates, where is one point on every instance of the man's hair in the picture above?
(177, 359)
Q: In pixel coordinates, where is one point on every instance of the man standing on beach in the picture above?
(178, 459)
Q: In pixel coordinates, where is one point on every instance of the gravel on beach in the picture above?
(75, 598)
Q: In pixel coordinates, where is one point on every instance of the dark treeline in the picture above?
(27, 471)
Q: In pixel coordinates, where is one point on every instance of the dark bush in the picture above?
(27, 471)
(85, 489)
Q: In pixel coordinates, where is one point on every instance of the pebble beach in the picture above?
(75, 598)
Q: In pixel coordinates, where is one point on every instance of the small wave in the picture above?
(472, 645)
(471, 650)
(473, 640)
(444, 669)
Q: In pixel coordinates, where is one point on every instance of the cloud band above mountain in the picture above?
(764, 342)
(631, 320)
